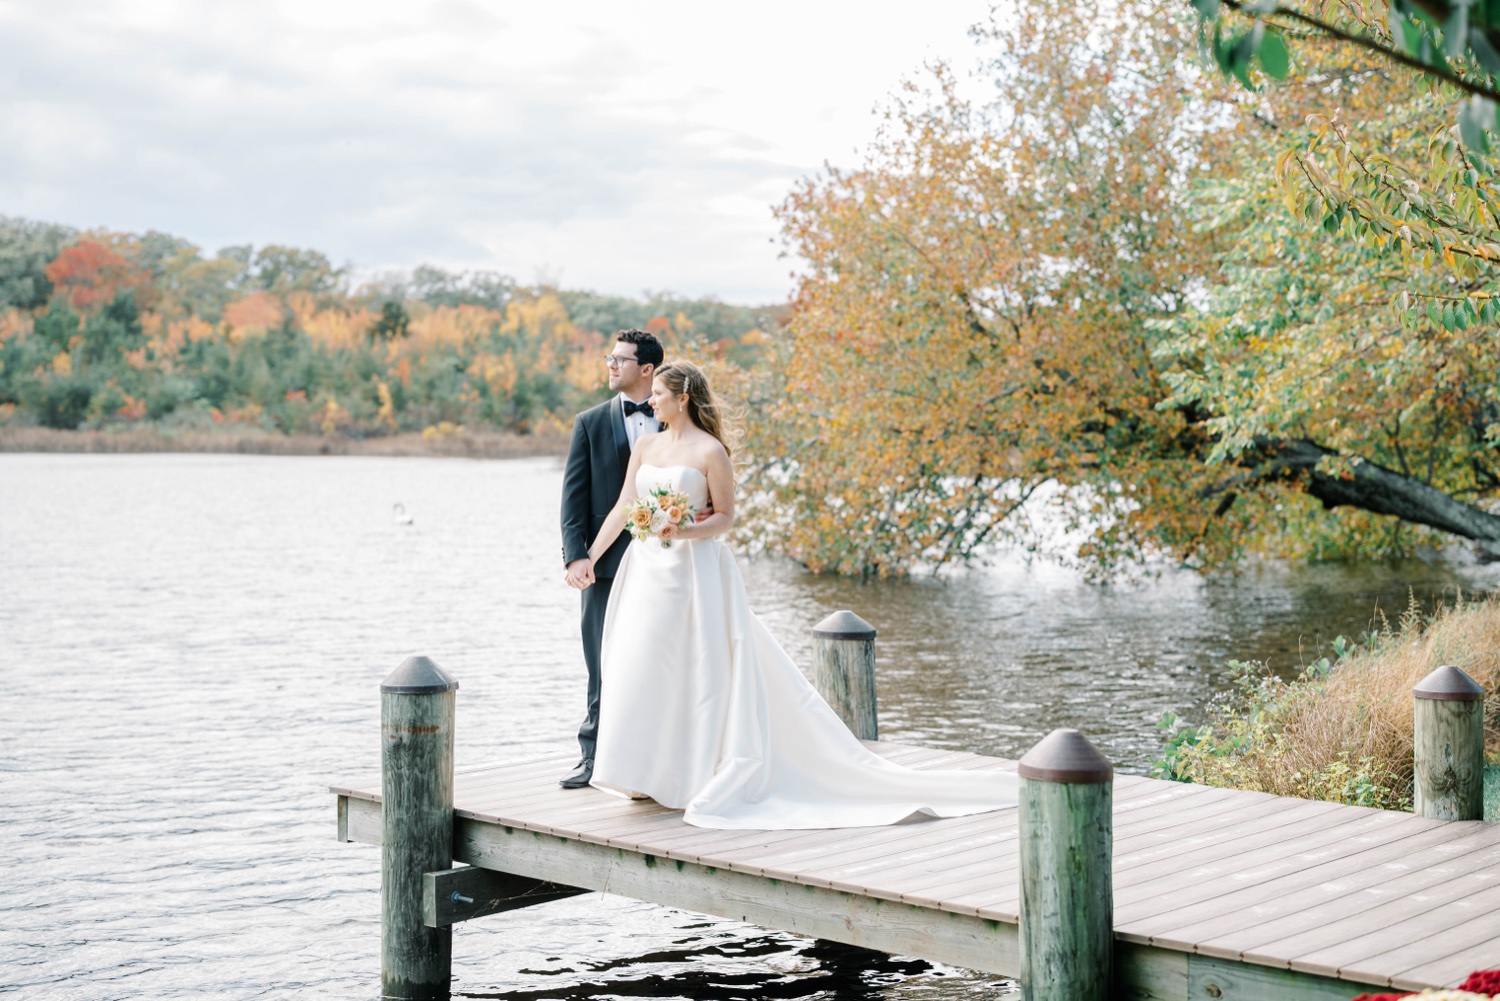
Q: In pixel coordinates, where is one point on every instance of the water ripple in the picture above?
(191, 649)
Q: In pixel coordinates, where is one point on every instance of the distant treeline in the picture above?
(101, 329)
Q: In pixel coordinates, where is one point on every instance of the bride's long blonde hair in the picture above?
(685, 378)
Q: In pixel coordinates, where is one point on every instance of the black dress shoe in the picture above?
(580, 776)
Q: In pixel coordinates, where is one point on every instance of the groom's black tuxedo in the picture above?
(598, 456)
(597, 459)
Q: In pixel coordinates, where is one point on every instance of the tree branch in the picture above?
(1367, 486)
(1370, 44)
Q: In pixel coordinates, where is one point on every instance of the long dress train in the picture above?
(702, 710)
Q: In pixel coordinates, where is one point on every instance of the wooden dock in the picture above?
(1218, 893)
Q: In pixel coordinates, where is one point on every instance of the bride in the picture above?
(701, 710)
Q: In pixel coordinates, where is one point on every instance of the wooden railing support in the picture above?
(844, 670)
(416, 788)
(1448, 746)
(1067, 881)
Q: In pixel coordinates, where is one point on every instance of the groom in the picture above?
(603, 438)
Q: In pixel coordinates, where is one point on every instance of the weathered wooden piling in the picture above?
(1066, 868)
(1448, 746)
(416, 787)
(844, 670)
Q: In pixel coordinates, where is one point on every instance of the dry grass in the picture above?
(1341, 733)
(470, 444)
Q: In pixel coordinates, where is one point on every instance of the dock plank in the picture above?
(1270, 889)
(1270, 914)
(1356, 934)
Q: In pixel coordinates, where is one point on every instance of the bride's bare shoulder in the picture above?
(713, 453)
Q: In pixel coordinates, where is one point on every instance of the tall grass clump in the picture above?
(1342, 730)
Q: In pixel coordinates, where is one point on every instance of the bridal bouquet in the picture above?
(649, 514)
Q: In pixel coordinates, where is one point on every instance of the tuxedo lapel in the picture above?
(617, 426)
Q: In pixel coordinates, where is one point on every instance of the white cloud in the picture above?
(620, 146)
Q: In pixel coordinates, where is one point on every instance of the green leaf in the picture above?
(1274, 58)
(1411, 37)
(1433, 314)
(1207, 8)
(1456, 31)
(1475, 121)
(1484, 52)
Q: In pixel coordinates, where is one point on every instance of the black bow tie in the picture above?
(639, 408)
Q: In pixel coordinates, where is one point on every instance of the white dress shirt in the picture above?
(637, 424)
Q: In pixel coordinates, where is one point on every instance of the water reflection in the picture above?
(717, 971)
(994, 659)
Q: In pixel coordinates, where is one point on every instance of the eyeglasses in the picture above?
(615, 361)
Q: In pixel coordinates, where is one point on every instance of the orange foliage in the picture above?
(256, 312)
(88, 275)
(14, 323)
(133, 409)
(189, 331)
(330, 327)
(451, 326)
(497, 372)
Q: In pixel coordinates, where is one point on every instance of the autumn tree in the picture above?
(190, 284)
(1452, 44)
(1200, 322)
(1344, 347)
(976, 317)
(121, 327)
(282, 270)
(88, 274)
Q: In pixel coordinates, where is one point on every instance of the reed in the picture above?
(1342, 730)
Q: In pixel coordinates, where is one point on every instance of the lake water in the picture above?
(191, 648)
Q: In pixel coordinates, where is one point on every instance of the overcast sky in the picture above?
(613, 146)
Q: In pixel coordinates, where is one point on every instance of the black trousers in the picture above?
(595, 600)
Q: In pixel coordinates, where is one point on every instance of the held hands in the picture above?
(580, 573)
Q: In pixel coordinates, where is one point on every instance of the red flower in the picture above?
(1482, 982)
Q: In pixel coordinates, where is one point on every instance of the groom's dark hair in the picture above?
(648, 350)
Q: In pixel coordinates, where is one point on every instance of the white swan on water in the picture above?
(402, 518)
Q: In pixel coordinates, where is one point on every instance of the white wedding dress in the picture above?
(702, 711)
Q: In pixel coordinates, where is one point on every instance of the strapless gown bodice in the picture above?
(689, 479)
(704, 712)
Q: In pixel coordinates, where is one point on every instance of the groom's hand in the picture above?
(580, 573)
(706, 513)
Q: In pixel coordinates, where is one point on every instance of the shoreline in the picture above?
(468, 445)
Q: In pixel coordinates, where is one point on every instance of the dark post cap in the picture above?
(1449, 684)
(844, 626)
(418, 676)
(1065, 755)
